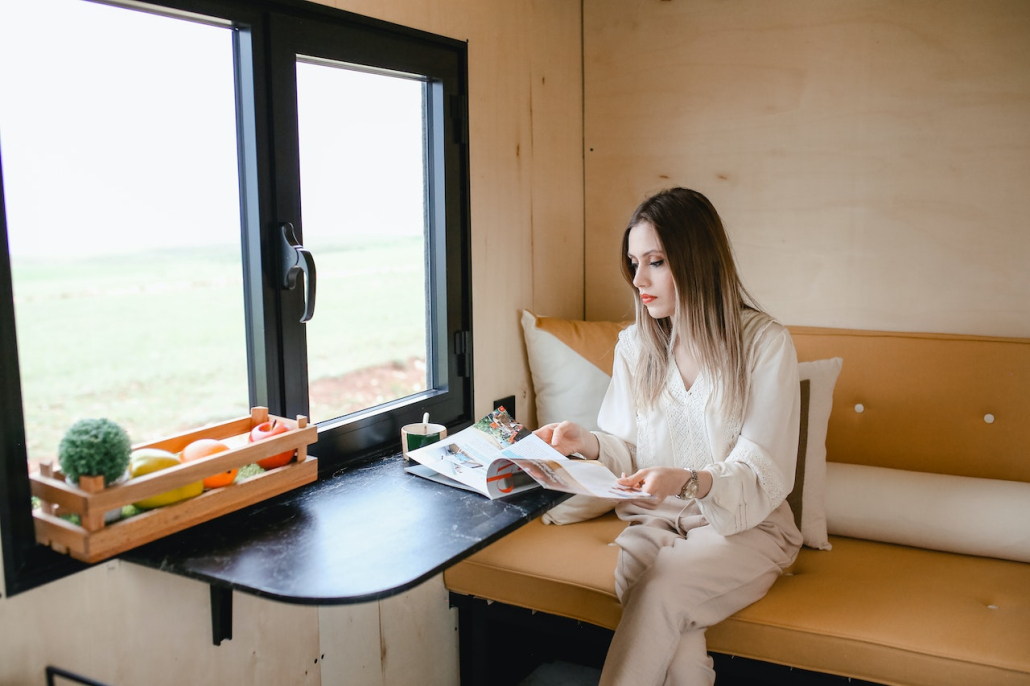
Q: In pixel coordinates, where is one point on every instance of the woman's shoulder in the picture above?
(628, 344)
(761, 329)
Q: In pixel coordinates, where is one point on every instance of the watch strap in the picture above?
(690, 488)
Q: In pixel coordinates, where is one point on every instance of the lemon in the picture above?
(149, 460)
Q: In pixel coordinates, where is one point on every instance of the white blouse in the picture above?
(752, 461)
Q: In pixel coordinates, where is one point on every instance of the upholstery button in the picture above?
(860, 408)
(992, 607)
(989, 418)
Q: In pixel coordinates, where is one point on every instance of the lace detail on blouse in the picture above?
(645, 446)
(766, 470)
(629, 344)
(685, 410)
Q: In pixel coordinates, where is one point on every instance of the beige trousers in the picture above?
(676, 577)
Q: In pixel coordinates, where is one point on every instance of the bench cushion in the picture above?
(565, 570)
(913, 616)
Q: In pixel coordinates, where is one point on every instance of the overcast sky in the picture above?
(114, 138)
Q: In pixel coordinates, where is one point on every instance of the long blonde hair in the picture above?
(710, 298)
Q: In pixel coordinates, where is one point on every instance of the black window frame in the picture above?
(264, 32)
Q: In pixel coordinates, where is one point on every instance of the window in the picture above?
(154, 197)
(355, 162)
(125, 252)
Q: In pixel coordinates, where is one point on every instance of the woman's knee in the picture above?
(639, 546)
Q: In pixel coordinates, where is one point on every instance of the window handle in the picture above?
(295, 259)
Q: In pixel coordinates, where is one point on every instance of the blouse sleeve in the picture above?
(758, 474)
(617, 418)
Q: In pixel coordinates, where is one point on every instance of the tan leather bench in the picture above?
(877, 611)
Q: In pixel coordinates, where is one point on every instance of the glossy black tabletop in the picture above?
(368, 532)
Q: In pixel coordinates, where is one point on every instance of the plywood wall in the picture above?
(124, 625)
(870, 158)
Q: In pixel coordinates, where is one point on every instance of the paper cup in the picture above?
(415, 436)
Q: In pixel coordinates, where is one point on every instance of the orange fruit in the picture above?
(206, 447)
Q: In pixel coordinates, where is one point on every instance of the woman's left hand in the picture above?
(661, 482)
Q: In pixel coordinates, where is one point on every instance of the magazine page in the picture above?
(554, 471)
(428, 473)
(497, 456)
(474, 457)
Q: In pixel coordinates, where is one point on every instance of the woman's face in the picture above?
(651, 274)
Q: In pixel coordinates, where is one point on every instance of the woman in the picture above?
(702, 413)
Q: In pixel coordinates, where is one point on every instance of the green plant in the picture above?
(94, 447)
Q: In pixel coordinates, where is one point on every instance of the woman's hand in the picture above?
(661, 482)
(568, 438)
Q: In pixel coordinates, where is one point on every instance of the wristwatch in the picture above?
(689, 488)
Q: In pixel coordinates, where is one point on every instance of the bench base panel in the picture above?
(500, 645)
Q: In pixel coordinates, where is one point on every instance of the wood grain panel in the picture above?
(407, 639)
(419, 632)
(119, 623)
(351, 652)
(869, 158)
(557, 128)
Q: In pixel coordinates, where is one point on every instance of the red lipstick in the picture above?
(647, 299)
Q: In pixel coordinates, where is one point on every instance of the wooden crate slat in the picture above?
(51, 530)
(222, 431)
(155, 524)
(189, 472)
(59, 492)
(225, 430)
(96, 541)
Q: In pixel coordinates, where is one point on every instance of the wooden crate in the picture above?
(94, 540)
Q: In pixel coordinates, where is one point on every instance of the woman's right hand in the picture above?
(568, 438)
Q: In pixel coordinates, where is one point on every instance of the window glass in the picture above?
(122, 201)
(362, 170)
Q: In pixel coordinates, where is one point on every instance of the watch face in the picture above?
(690, 488)
(692, 485)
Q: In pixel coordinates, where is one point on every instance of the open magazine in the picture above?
(497, 456)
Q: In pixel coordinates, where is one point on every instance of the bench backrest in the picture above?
(924, 400)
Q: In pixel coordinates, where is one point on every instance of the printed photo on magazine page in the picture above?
(497, 457)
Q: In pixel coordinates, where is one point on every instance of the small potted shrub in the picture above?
(94, 447)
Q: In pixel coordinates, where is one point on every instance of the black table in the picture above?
(368, 532)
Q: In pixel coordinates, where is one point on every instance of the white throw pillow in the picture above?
(957, 514)
(571, 365)
(822, 376)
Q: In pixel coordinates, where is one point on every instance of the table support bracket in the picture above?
(221, 614)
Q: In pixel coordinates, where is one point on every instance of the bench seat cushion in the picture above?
(875, 611)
